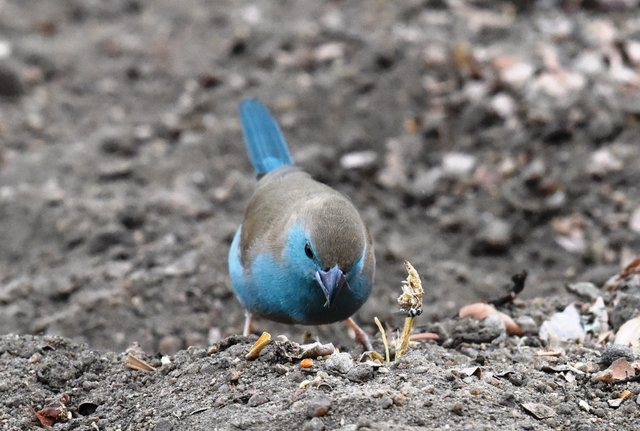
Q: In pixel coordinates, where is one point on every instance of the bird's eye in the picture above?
(308, 251)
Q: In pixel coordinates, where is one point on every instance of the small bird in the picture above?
(302, 253)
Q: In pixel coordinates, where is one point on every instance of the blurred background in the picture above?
(478, 138)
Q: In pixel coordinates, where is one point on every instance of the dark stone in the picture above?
(11, 85)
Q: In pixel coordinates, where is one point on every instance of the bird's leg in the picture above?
(361, 337)
(247, 323)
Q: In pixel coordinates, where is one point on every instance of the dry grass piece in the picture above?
(257, 347)
(384, 339)
(138, 364)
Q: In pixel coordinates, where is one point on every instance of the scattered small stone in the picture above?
(10, 82)
(602, 162)
(425, 183)
(257, 399)
(626, 311)
(586, 367)
(400, 399)
(315, 424)
(185, 265)
(385, 402)
(458, 165)
(615, 403)
(494, 236)
(329, 51)
(585, 290)
(318, 407)
(538, 410)
(164, 425)
(5, 49)
(457, 409)
(516, 379)
(563, 327)
(527, 324)
(358, 160)
(116, 170)
(513, 72)
(107, 238)
(360, 373)
(399, 152)
(634, 220)
(629, 335)
(116, 141)
(314, 350)
(340, 362)
(131, 217)
(469, 330)
(615, 351)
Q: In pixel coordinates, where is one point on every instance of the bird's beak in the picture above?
(331, 282)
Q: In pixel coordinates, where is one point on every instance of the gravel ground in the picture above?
(479, 139)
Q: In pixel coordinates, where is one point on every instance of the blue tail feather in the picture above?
(265, 143)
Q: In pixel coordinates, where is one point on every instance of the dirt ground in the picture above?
(478, 139)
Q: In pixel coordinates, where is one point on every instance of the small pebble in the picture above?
(116, 141)
(616, 351)
(340, 362)
(516, 379)
(493, 237)
(585, 290)
(528, 324)
(257, 400)
(318, 407)
(360, 373)
(458, 165)
(164, 425)
(358, 160)
(107, 238)
(457, 409)
(10, 83)
(385, 402)
(314, 424)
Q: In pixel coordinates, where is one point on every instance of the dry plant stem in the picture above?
(384, 340)
(411, 302)
(403, 342)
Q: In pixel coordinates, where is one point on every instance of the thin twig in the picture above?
(384, 340)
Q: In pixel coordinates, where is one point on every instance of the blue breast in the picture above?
(272, 288)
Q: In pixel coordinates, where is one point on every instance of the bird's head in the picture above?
(327, 241)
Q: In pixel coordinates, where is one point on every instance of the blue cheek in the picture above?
(295, 254)
(357, 267)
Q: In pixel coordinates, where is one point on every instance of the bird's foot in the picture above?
(361, 337)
